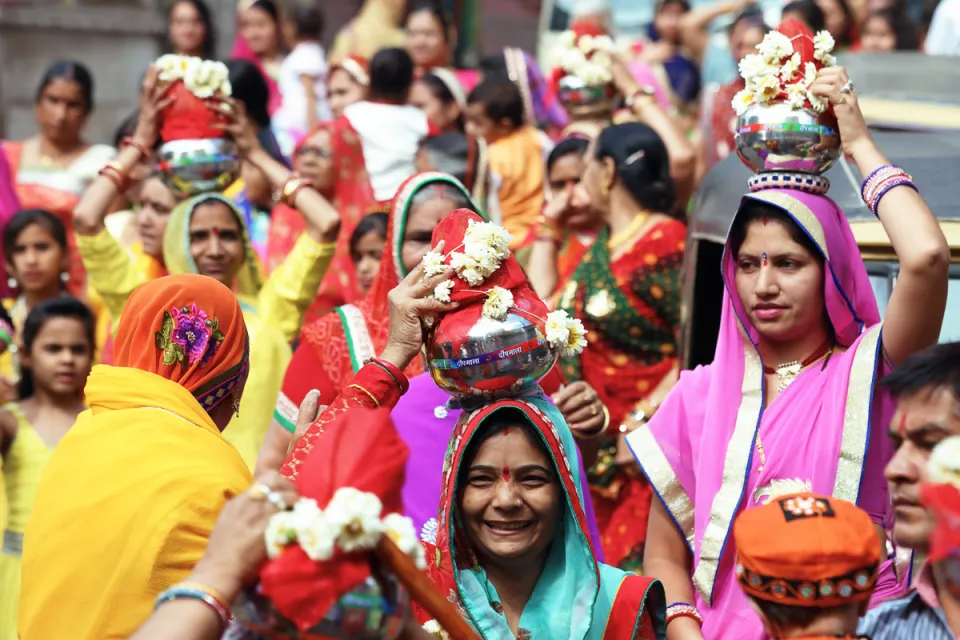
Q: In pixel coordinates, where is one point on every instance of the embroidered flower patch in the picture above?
(188, 336)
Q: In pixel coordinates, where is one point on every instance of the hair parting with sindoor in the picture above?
(63, 307)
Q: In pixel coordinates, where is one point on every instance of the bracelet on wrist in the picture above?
(290, 189)
(203, 593)
(115, 172)
(142, 150)
(399, 377)
(580, 434)
(683, 610)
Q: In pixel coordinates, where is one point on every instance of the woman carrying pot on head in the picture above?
(788, 403)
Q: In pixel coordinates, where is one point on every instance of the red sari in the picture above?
(352, 197)
(333, 348)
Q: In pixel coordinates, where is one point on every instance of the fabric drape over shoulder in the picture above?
(334, 348)
(824, 433)
(138, 482)
(575, 597)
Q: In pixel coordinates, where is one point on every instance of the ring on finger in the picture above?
(594, 410)
(259, 492)
(276, 499)
(847, 88)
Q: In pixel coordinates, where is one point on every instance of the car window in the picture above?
(950, 332)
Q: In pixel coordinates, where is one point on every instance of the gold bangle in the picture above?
(598, 432)
(372, 397)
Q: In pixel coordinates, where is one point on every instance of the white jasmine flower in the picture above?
(585, 43)
(604, 43)
(440, 412)
(571, 59)
(595, 75)
(280, 533)
(404, 535)
(796, 95)
(356, 516)
(600, 59)
(765, 88)
(171, 67)
(318, 537)
(567, 39)
(809, 74)
(488, 234)
(433, 628)
(204, 78)
(442, 291)
(432, 263)
(828, 60)
(576, 338)
(790, 68)
(754, 65)
(943, 467)
(497, 304)
(823, 43)
(557, 331)
(816, 103)
(743, 100)
(775, 47)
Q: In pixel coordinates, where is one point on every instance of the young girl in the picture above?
(366, 247)
(55, 359)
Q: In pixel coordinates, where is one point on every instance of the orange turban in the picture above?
(188, 329)
(807, 550)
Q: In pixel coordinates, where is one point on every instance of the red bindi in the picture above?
(506, 431)
(763, 257)
(215, 231)
(506, 474)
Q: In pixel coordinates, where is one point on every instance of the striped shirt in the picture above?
(907, 618)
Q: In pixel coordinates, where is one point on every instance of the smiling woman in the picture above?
(512, 548)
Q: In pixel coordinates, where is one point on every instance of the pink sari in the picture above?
(699, 451)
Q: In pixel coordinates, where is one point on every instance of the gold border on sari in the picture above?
(735, 465)
(800, 212)
(856, 417)
(661, 475)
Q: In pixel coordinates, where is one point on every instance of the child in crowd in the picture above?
(303, 76)
(808, 564)
(515, 152)
(390, 130)
(55, 361)
(366, 247)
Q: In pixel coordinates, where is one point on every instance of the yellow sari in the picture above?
(130, 495)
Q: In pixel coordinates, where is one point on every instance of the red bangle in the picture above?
(394, 372)
(120, 180)
(142, 150)
(683, 610)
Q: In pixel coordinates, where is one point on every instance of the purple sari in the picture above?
(699, 451)
(426, 430)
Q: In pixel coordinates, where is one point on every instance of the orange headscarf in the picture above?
(188, 329)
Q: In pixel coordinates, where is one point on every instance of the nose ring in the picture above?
(519, 502)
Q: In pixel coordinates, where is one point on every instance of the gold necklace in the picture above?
(635, 225)
(787, 373)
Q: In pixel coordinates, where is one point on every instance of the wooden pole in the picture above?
(422, 590)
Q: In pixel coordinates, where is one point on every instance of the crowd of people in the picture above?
(173, 365)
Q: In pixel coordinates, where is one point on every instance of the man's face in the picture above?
(921, 421)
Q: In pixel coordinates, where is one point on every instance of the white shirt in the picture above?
(943, 39)
(390, 136)
(306, 59)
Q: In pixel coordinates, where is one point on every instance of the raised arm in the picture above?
(695, 25)
(98, 198)
(646, 108)
(915, 311)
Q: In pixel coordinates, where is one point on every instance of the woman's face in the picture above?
(744, 40)
(425, 40)
(60, 357)
(834, 18)
(156, 203)
(511, 501)
(186, 30)
(61, 111)
(779, 282)
(667, 22)
(343, 91)
(259, 29)
(366, 257)
(314, 160)
(216, 242)
(442, 116)
(878, 36)
(421, 221)
(37, 260)
(566, 173)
